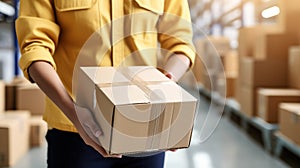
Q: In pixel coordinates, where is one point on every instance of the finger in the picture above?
(94, 128)
(91, 134)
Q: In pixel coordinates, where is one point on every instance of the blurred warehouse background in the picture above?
(248, 58)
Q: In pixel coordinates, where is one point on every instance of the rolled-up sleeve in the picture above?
(37, 33)
(175, 29)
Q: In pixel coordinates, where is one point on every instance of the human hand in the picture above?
(176, 66)
(89, 130)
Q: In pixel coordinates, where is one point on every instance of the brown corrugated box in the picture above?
(289, 15)
(210, 79)
(289, 121)
(274, 46)
(227, 83)
(197, 69)
(294, 67)
(138, 108)
(2, 97)
(269, 99)
(14, 136)
(11, 92)
(214, 48)
(231, 62)
(248, 37)
(246, 97)
(263, 73)
(30, 97)
(38, 129)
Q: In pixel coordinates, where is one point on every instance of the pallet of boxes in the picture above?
(269, 69)
(21, 124)
(216, 65)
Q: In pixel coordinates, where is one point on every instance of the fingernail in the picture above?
(98, 133)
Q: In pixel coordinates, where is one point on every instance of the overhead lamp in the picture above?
(270, 12)
(6, 9)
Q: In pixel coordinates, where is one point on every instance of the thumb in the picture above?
(94, 128)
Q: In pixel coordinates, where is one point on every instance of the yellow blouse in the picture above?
(73, 33)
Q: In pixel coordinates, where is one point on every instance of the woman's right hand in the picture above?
(89, 130)
(47, 79)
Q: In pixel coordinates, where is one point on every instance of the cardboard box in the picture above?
(289, 16)
(231, 62)
(263, 73)
(197, 69)
(227, 83)
(246, 97)
(289, 121)
(248, 37)
(294, 67)
(269, 99)
(11, 92)
(138, 108)
(38, 130)
(274, 46)
(14, 136)
(30, 97)
(210, 80)
(2, 97)
(214, 48)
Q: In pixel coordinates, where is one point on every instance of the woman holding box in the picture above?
(51, 34)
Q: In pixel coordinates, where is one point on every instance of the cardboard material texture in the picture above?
(11, 92)
(246, 97)
(274, 46)
(210, 80)
(197, 69)
(263, 73)
(269, 100)
(228, 83)
(2, 97)
(14, 136)
(138, 108)
(231, 62)
(248, 37)
(289, 16)
(31, 97)
(214, 48)
(38, 129)
(289, 121)
(294, 67)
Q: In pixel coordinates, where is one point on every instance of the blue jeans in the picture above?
(68, 150)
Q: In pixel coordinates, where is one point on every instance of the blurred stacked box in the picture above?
(216, 66)
(263, 62)
(289, 121)
(269, 100)
(14, 136)
(21, 124)
(30, 97)
(38, 129)
(11, 92)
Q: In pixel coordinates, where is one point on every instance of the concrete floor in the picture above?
(227, 147)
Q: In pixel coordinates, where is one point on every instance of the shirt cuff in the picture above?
(39, 54)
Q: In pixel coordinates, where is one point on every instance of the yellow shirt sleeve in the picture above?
(175, 29)
(37, 33)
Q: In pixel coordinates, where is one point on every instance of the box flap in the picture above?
(170, 92)
(291, 107)
(121, 95)
(279, 92)
(143, 73)
(96, 74)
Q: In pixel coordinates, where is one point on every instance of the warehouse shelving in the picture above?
(282, 141)
(273, 141)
